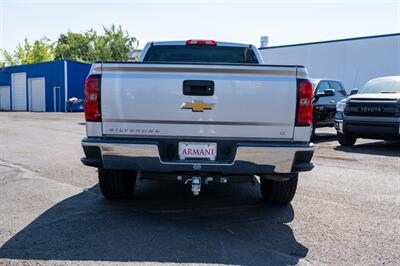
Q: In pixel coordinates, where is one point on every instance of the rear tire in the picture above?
(116, 184)
(281, 192)
(346, 140)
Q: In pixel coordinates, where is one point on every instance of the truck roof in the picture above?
(231, 44)
(316, 80)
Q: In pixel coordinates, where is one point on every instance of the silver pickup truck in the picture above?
(198, 112)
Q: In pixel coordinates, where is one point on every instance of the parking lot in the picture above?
(346, 211)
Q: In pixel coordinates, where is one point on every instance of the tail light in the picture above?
(201, 42)
(304, 110)
(92, 98)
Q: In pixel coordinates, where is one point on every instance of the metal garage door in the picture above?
(5, 98)
(37, 95)
(18, 88)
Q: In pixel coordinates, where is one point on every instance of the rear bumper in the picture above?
(148, 155)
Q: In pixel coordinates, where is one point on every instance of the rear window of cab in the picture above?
(200, 54)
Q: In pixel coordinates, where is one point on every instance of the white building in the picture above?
(353, 61)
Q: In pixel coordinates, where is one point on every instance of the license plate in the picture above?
(195, 150)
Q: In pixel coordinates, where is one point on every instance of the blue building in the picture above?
(42, 87)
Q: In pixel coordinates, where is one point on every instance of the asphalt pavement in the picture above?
(346, 211)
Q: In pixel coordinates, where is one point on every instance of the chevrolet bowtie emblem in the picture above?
(198, 106)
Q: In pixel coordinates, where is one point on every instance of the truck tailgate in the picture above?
(139, 99)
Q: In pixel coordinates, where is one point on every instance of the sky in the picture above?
(285, 22)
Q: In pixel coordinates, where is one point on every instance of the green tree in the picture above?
(113, 45)
(76, 46)
(27, 53)
(9, 59)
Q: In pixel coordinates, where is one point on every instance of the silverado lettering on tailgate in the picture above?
(117, 130)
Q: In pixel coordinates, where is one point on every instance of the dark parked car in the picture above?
(327, 93)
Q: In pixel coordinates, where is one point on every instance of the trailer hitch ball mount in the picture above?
(196, 182)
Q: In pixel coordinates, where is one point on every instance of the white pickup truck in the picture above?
(198, 112)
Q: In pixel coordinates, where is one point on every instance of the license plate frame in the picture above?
(205, 151)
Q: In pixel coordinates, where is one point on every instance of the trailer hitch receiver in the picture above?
(196, 185)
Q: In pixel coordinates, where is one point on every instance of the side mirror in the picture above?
(325, 93)
(354, 91)
(329, 92)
